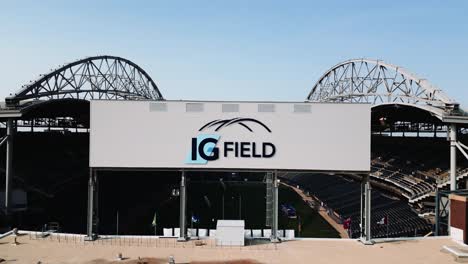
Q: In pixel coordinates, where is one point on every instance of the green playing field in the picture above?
(246, 201)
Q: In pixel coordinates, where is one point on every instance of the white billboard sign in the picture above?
(230, 135)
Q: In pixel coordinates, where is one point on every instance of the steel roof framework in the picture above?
(99, 77)
(377, 82)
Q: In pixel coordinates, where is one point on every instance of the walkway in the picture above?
(326, 251)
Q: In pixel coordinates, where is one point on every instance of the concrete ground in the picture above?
(152, 250)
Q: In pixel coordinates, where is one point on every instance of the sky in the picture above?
(237, 50)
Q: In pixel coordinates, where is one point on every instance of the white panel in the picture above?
(256, 233)
(192, 232)
(130, 134)
(230, 232)
(176, 232)
(290, 234)
(212, 232)
(167, 232)
(456, 234)
(202, 232)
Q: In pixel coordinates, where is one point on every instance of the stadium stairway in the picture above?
(446, 182)
(443, 184)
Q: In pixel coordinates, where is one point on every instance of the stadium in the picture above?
(418, 159)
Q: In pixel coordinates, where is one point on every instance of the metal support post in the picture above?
(117, 223)
(367, 239)
(89, 229)
(363, 201)
(9, 164)
(274, 226)
(92, 220)
(437, 213)
(96, 203)
(453, 162)
(453, 157)
(269, 199)
(183, 204)
(368, 212)
(240, 207)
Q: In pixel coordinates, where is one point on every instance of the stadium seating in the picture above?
(413, 165)
(410, 185)
(47, 166)
(47, 163)
(341, 197)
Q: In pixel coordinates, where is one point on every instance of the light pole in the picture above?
(224, 189)
(240, 207)
(191, 225)
(117, 222)
(223, 205)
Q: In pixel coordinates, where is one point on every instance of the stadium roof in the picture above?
(66, 90)
(395, 93)
(392, 90)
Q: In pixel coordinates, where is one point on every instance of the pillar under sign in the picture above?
(366, 236)
(92, 217)
(183, 205)
(274, 222)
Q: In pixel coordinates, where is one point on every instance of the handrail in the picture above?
(11, 232)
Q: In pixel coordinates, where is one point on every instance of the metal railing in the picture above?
(150, 241)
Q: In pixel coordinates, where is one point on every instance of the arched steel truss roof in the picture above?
(377, 82)
(99, 77)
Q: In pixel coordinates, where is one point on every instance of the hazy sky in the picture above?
(237, 50)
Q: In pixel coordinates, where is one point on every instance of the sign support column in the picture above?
(363, 205)
(367, 238)
(274, 226)
(183, 204)
(92, 220)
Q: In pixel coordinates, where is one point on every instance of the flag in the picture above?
(383, 221)
(299, 225)
(347, 223)
(207, 201)
(222, 184)
(154, 220)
